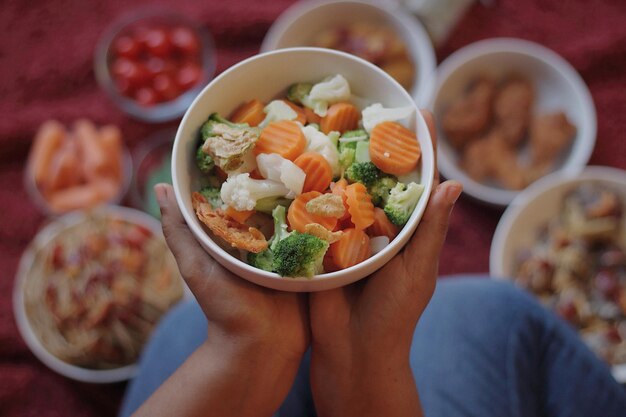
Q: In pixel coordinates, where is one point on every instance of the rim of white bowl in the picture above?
(513, 212)
(575, 162)
(46, 234)
(423, 52)
(240, 267)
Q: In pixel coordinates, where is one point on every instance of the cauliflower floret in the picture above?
(276, 168)
(331, 90)
(376, 113)
(242, 192)
(318, 142)
(277, 110)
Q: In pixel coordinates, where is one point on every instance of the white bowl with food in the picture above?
(508, 112)
(564, 239)
(382, 33)
(279, 145)
(90, 288)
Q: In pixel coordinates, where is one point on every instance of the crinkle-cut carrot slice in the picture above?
(394, 149)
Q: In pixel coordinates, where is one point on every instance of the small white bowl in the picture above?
(299, 24)
(532, 209)
(264, 77)
(42, 239)
(557, 87)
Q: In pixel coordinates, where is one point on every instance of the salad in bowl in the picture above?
(307, 182)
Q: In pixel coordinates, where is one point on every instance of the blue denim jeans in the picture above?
(482, 348)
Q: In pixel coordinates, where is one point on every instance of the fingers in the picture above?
(424, 247)
(194, 263)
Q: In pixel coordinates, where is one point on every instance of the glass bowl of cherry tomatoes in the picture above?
(153, 64)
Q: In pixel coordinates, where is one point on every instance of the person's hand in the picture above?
(362, 333)
(256, 336)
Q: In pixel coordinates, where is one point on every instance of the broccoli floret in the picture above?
(380, 189)
(214, 119)
(299, 255)
(267, 205)
(212, 194)
(402, 201)
(204, 161)
(299, 92)
(227, 143)
(264, 259)
(364, 172)
(346, 154)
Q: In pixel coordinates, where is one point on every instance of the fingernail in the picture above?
(453, 191)
(161, 194)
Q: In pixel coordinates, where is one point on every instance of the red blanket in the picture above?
(46, 72)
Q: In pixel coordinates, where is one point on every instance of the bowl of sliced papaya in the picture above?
(303, 169)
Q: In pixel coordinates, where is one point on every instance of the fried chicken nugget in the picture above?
(550, 134)
(238, 235)
(512, 108)
(469, 115)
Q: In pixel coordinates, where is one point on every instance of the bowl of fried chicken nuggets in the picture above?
(509, 112)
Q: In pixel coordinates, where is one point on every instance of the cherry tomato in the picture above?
(146, 96)
(156, 66)
(157, 42)
(185, 40)
(124, 87)
(188, 75)
(165, 87)
(133, 72)
(127, 47)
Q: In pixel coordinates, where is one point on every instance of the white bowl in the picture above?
(536, 206)
(558, 87)
(43, 238)
(299, 24)
(264, 77)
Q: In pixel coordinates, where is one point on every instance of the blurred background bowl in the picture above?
(43, 239)
(135, 26)
(557, 87)
(264, 77)
(299, 25)
(535, 207)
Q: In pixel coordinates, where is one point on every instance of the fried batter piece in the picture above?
(491, 157)
(549, 135)
(326, 205)
(229, 145)
(323, 233)
(469, 116)
(512, 108)
(238, 235)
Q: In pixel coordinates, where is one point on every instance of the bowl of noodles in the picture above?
(89, 290)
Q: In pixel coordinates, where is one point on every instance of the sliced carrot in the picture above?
(250, 112)
(239, 216)
(382, 226)
(93, 156)
(64, 170)
(47, 142)
(298, 216)
(111, 142)
(394, 149)
(255, 174)
(340, 117)
(299, 111)
(339, 188)
(283, 137)
(351, 249)
(318, 171)
(360, 205)
(82, 196)
(311, 116)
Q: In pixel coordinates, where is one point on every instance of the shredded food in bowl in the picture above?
(96, 290)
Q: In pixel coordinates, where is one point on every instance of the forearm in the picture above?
(218, 380)
(364, 387)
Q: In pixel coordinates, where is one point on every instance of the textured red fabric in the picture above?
(46, 72)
